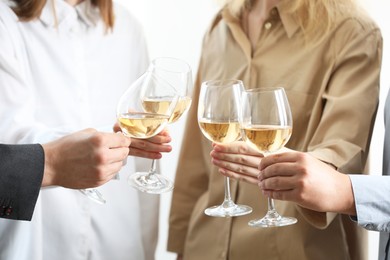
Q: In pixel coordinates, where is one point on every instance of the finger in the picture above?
(278, 158)
(110, 140)
(143, 144)
(116, 127)
(239, 177)
(287, 195)
(117, 154)
(236, 168)
(282, 169)
(248, 160)
(144, 154)
(160, 139)
(277, 183)
(106, 173)
(236, 148)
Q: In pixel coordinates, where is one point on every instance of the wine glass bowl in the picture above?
(177, 74)
(143, 111)
(266, 125)
(218, 118)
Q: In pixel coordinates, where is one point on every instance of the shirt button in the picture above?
(267, 25)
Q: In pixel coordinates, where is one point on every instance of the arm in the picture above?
(25, 168)
(300, 178)
(303, 179)
(98, 158)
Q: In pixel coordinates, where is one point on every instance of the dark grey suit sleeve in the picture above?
(21, 173)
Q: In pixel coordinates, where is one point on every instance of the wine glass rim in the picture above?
(270, 89)
(187, 67)
(223, 82)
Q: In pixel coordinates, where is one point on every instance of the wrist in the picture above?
(346, 197)
(48, 173)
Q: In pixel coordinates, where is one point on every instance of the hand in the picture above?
(301, 178)
(237, 160)
(84, 159)
(150, 148)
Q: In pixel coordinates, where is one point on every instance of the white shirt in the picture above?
(56, 79)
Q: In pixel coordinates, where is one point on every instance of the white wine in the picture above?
(161, 106)
(142, 125)
(220, 132)
(182, 106)
(266, 138)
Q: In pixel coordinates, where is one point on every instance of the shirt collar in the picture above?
(289, 23)
(68, 15)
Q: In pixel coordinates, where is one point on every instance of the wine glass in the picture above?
(266, 125)
(94, 194)
(176, 74)
(137, 121)
(218, 117)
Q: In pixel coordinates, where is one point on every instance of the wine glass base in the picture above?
(231, 211)
(272, 222)
(94, 195)
(150, 183)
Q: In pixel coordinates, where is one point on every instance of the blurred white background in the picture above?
(176, 27)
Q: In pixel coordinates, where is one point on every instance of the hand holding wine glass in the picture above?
(218, 117)
(170, 73)
(266, 125)
(136, 121)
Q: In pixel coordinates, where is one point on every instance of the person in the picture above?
(327, 55)
(63, 67)
(26, 168)
(301, 178)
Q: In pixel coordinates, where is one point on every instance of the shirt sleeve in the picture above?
(17, 92)
(351, 99)
(372, 201)
(21, 173)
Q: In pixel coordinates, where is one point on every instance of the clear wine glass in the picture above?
(137, 121)
(94, 194)
(266, 125)
(218, 117)
(176, 74)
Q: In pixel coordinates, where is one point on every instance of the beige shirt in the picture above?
(333, 93)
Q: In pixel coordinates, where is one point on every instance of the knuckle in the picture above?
(97, 139)
(101, 158)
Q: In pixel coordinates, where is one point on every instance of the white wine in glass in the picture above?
(266, 125)
(218, 118)
(171, 73)
(137, 122)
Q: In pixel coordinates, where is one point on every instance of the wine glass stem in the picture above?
(272, 214)
(228, 199)
(152, 169)
(271, 205)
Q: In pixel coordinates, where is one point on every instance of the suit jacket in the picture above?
(21, 173)
(384, 237)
